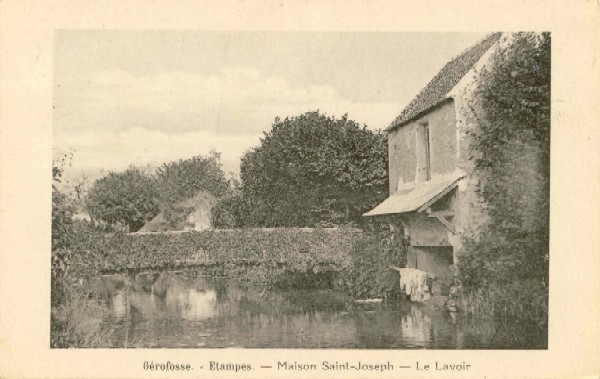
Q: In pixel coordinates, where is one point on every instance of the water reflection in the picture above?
(416, 328)
(183, 310)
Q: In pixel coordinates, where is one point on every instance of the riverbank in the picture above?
(346, 260)
(266, 256)
(184, 309)
(343, 258)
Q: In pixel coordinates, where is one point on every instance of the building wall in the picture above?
(470, 212)
(434, 260)
(433, 246)
(429, 237)
(402, 143)
(402, 147)
(426, 231)
(429, 231)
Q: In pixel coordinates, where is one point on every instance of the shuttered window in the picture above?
(424, 154)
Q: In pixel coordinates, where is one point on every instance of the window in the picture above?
(423, 153)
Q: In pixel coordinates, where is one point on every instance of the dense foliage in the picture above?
(357, 260)
(231, 211)
(129, 198)
(70, 307)
(62, 236)
(512, 106)
(183, 179)
(62, 213)
(372, 255)
(313, 170)
(279, 249)
(133, 197)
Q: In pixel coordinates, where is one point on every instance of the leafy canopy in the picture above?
(129, 198)
(313, 169)
(183, 179)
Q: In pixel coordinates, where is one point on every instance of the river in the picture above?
(185, 310)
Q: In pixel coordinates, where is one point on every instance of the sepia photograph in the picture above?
(315, 189)
(300, 190)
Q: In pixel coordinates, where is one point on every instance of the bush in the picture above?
(297, 248)
(230, 212)
(372, 255)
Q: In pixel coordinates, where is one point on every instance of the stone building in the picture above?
(433, 197)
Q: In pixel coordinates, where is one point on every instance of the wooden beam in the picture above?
(447, 224)
(440, 214)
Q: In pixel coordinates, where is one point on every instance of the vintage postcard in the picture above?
(310, 190)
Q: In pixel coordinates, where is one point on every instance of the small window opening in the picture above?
(424, 158)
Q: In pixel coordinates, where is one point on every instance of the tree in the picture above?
(62, 210)
(62, 233)
(313, 169)
(183, 179)
(231, 211)
(512, 105)
(129, 198)
(81, 186)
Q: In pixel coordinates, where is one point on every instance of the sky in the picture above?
(143, 98)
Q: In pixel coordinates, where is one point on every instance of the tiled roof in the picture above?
(416, 199)
(448, 77)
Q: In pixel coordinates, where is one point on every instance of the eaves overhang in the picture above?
(417, 198)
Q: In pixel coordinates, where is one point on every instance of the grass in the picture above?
(525, 301)
(78, 322)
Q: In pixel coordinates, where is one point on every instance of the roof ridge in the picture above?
(476, 44)
(445, 79)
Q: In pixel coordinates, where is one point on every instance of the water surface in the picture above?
(184, 310)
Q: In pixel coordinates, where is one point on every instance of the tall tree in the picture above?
(129, 198)
(313, 169)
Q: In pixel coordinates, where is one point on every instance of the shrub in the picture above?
(297, 248)
(230, 212)
(372, 255)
